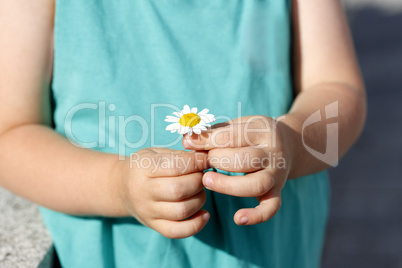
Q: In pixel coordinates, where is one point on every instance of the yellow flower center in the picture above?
(189, 120)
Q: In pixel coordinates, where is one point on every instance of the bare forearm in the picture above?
(346, 104)
(44, 167)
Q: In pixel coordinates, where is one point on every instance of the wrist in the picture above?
(117, 188)
(291, 140)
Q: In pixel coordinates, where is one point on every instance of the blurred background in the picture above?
(365, 225)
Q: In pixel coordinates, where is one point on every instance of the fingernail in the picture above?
(208, 182)
(205, 217)
(244, 220)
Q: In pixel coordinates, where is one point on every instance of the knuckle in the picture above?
(142, 214)
(270, 182)
(228, 138)
(260, 186)
(277, 206)
(194, 228)
(260, 153)
(175, 171)
(147, 165)
(222, 139)
(260, 217)
(183, 211)
(243, 155)
(176, 191)
(173, 167)
(147, 172)
(150, 173)
(273, 209)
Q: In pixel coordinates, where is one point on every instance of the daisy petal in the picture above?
(172, 119)
(186, 109)
(169, 116)
(210, 118)
(174, 126)
(183, 130)
(205, 111)
(197, 131)
(200, 127)
(177, 114)
(205, 118)
(194, 110)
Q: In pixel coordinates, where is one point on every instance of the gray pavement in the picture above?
(23, 237)
(365, 227)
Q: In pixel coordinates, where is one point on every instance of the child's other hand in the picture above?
(163, 190)
(256, 145)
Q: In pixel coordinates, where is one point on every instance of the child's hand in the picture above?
(163, 190)
(253, 145)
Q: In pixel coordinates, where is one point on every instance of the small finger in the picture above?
(171, 164)
(241, 132)
(251, 185)
(261, 213)
(176, 188)
(176, 211)
(243, 159)
(184, 228)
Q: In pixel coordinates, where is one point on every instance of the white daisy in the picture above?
(189, 121)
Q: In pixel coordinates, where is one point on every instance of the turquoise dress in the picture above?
(121, 66)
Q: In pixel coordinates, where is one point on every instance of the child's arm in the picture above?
(42, 166)
(326, 72)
